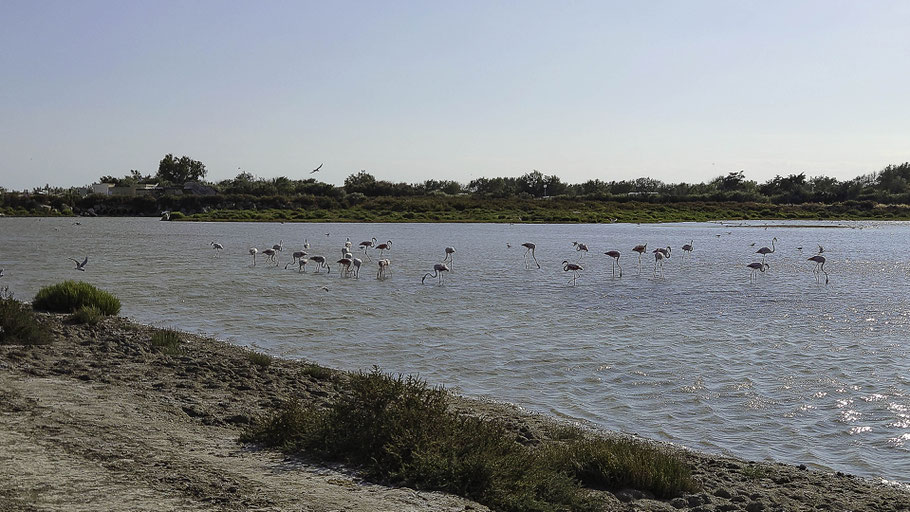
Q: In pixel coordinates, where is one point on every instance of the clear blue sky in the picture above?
(411, 90)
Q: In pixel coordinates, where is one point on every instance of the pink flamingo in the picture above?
(819, 267)
(757, 266)
(574, 268)
(438, 269)
(640, 249)
(615, 255)
(530, 251)
(764, 251)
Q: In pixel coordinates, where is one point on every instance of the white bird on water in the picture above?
(80, 266)
(216, 245)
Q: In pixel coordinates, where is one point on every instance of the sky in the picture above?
(680, 91)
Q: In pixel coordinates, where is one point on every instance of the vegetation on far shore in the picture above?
(400, 431)
(532, 197)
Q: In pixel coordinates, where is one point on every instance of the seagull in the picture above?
(80, 266)
(316, 169)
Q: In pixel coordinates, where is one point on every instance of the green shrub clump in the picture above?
(18, 324)
(88, 315)
(69, 296)
(167, 341)
(259, 359)
(400, 431)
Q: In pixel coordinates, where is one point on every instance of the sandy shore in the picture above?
(100, 420)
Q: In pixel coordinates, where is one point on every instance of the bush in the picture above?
(402, 432)
(18, 324)
(167, 341)
(259, 359)
(89, 315)
(68, 296)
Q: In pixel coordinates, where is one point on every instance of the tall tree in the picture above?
(180, 170)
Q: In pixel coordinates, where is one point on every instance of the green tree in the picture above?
(179, 171)
(362, 182)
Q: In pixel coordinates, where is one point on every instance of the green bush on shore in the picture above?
(18, 324)
(400, 431)
(69, 296)
(88, 315)
(167, 341)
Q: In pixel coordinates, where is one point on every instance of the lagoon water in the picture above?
(782, 369)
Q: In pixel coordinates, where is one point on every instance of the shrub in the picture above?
(18, 324)
(259, 359)
(400, 431)
(68, 296)
(167, 341)
(89, 315)
(318, 372)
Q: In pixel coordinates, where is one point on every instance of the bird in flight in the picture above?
(316, 169)
(80, 266)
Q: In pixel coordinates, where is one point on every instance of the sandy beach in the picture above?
(100, 420)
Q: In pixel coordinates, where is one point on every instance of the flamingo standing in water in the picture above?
(582, 248)
(357, 262)
(301, 264)
(296, 255)
(659, 255)
(757, 266)
(574, 268)
(438, 269)
(530, 252)
(615, 255)
(320, 263)
(366, 245)
(640, 249)
(450, 256)
(687, 249)
(764, 251)
(819, 266)
(383, 269)
(253, 252)
(271, 255)
(345, 266)
(384, 247)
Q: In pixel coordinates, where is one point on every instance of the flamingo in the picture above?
(301, 264)
(271, 255)
(615, 255)
(296, 255)
(819, 266)
(279, 246)
(764, 251)
(320, 263)
(687, 249)
(357, 262)
(217, 246)
(438, 269)
(530, 251)
(383, 269)
(384, 247)
(820, 248)
(640, 249)
(345, 266)
(253, 252)
(366, 245)
(450, 255)
(582, 248)
(759, 266)
(306, 243)
(575, 268)
(80, 266)
(659, 255)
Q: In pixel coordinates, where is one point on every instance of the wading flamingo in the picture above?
(615, 255)
(582, 248)
(345, 266)
(659, 255)
(366, 245)
(271, 255)
(687, 249)
(757, 266)
(530, 252)
(438, 269)
(640, 249)
(253, 252)
(296, 255)
(383, 269)
(384, 247)
(217, 246)
(450, 256)
(819, 266)
(320, 263)
(574, 268)
(764, 251)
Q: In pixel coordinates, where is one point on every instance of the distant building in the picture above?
(198, 189)
(103, 189)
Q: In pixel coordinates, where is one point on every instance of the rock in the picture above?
(755, 506)
(723, 493)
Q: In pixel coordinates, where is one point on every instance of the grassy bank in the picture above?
(557, 211)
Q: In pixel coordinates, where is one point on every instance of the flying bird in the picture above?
(80, 266)
(316, 169)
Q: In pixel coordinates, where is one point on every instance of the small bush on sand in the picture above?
(18, 324)
(167, 341)
(318, 372)
(68, 296)
(402, 432)
(88, 315)
(259, 359)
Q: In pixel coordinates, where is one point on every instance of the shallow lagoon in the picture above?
(783, 368)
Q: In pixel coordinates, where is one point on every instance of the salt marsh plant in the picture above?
(400, 431)
(167, 341)
(69, 296)
(19, 324)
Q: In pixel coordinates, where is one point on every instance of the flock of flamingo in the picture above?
(351, 265)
